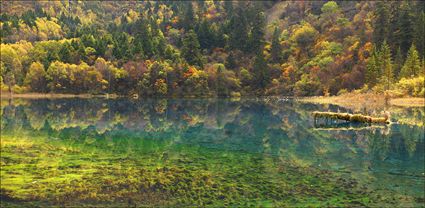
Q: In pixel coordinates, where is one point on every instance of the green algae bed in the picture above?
(187, 153)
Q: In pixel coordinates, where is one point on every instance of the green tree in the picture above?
(65, 52)
(158, 77)
(58, 77)
(12, 73)
(159, 43)
(256, 39)
(88, 40)
(6, 31)
(84, 78)
(419, 31)
(196, 82)
(205, 35)
(261, 73)
(372, 69)
(304, 37)
(387, 68)
(189, 17)
(226, 81)
(307, 86)
(112, 76)
(412, 66)
(276, 48)
(172, 54)
(228, 6)
(330, 14)
(53, 55)
(398, 63)
(245, 77)
(238, 30)
(405, 27)
(381, 22)
(230, 61)
(36, 78)
(221, 88)
(122, 46)
(101, 44)
(78, 52)
(143, 35)
(191, 49)
(137, 49)
(329, 7)
(7, 77)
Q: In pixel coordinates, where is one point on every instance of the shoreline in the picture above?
(349, 100)
(7, 95)
(360, 101)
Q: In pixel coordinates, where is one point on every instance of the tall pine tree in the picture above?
(419, 31)
(381, 23)
(205, 35)
(276, 49)
(405, 27)
(230, 61)
(257, 33)
(398, 63)
(191, 49)
(188, 20)
(239, 29)
(412, 67)
(387, 68)
(261, 72)
(372, 68)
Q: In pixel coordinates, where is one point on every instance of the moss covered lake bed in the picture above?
(248, 153)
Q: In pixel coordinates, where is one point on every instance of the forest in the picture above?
(212, 48)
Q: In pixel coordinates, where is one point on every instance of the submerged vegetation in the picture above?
(149, 175)
(212, 48)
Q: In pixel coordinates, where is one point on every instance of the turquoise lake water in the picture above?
(205, 152)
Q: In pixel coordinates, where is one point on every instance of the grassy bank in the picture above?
(361, 101)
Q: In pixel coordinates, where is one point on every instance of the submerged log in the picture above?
(351, 117)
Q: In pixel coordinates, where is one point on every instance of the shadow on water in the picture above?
(174, 131)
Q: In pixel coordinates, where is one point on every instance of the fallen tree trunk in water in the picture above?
(351, 117)
(324, 127)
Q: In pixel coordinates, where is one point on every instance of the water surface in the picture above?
(216, 152)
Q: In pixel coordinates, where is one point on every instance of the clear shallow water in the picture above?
(217, 152)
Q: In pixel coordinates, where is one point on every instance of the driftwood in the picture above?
(351, 117)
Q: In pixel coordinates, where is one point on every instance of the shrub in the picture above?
(379, 88)
(3, 87)
(364, 89)
(411, 86)
(342, 91)
(18, 89)
(235, 94)
(307, 86)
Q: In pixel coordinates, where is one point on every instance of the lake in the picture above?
(205, 152)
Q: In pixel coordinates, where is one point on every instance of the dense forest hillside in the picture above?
(212, 48)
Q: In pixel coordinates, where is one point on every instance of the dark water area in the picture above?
(205, 152)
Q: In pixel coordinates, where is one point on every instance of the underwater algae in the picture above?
(62, 173)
